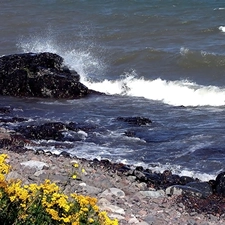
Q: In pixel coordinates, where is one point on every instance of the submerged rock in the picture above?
(39, 75)
(138, 120)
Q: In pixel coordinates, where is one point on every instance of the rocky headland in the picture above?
(41, 75)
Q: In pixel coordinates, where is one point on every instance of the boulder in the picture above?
(204, 187)
(183, 190)
(220, 184)
(39, 75)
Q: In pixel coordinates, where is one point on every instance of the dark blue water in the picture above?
(163, 60)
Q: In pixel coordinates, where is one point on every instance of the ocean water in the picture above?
(163, 60)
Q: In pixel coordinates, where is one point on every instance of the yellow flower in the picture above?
(83, 170)
(74, 176)
(90, 220)
(76, 165)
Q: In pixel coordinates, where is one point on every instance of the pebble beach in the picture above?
(123, 197)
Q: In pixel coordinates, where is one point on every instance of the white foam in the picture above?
(222, 28)
(178, 92)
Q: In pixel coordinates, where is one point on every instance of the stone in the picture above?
(220, 184)
(185, 179)
(153, 194)
(113, 192)
(105, 205)
(150, 219)
(203, 187)
(133, 220)
(35, 164)
(143, 223)
(91, 190)
(183, 190)
(41, 75)
(13, 175)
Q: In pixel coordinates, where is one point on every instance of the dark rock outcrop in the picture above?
(220, 184)
(39, 75)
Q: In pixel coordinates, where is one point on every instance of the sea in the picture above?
(162, 60)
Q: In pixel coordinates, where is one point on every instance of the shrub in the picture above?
(45, 204)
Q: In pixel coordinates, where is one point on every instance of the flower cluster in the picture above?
(77, 171)
(45, 204)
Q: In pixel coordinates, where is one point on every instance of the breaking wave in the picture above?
(178, 92)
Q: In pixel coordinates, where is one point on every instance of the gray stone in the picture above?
(35, 164)
(113, 191)
(181, 189)
(13, 175)
(106, 205)
(153, 194)
(91, 190)
(150, 219)
(203, 187)
(39, 173)
(143, 223)
(133, 220)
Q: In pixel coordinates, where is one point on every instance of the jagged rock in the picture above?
(39, 75)
(46, 131)
(54, 131)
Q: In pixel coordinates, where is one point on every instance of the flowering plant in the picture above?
(45, 204)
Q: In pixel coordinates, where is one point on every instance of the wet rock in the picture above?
(220, 184)
(130, 133)
(39, 75)
(12, 120)
(46, 131)
(5, 110)
(140, 121)
(203, 187)
(185, 179)
(183, 190)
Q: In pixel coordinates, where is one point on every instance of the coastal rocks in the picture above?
(55, 131)
(39, 75)
(183, 190)
(197, 189)
(139, 121)
(127, 200)
(220, 184)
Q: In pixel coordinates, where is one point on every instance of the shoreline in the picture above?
(132, 195)
(123, 197)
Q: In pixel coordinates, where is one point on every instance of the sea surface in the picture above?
(163, 60)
